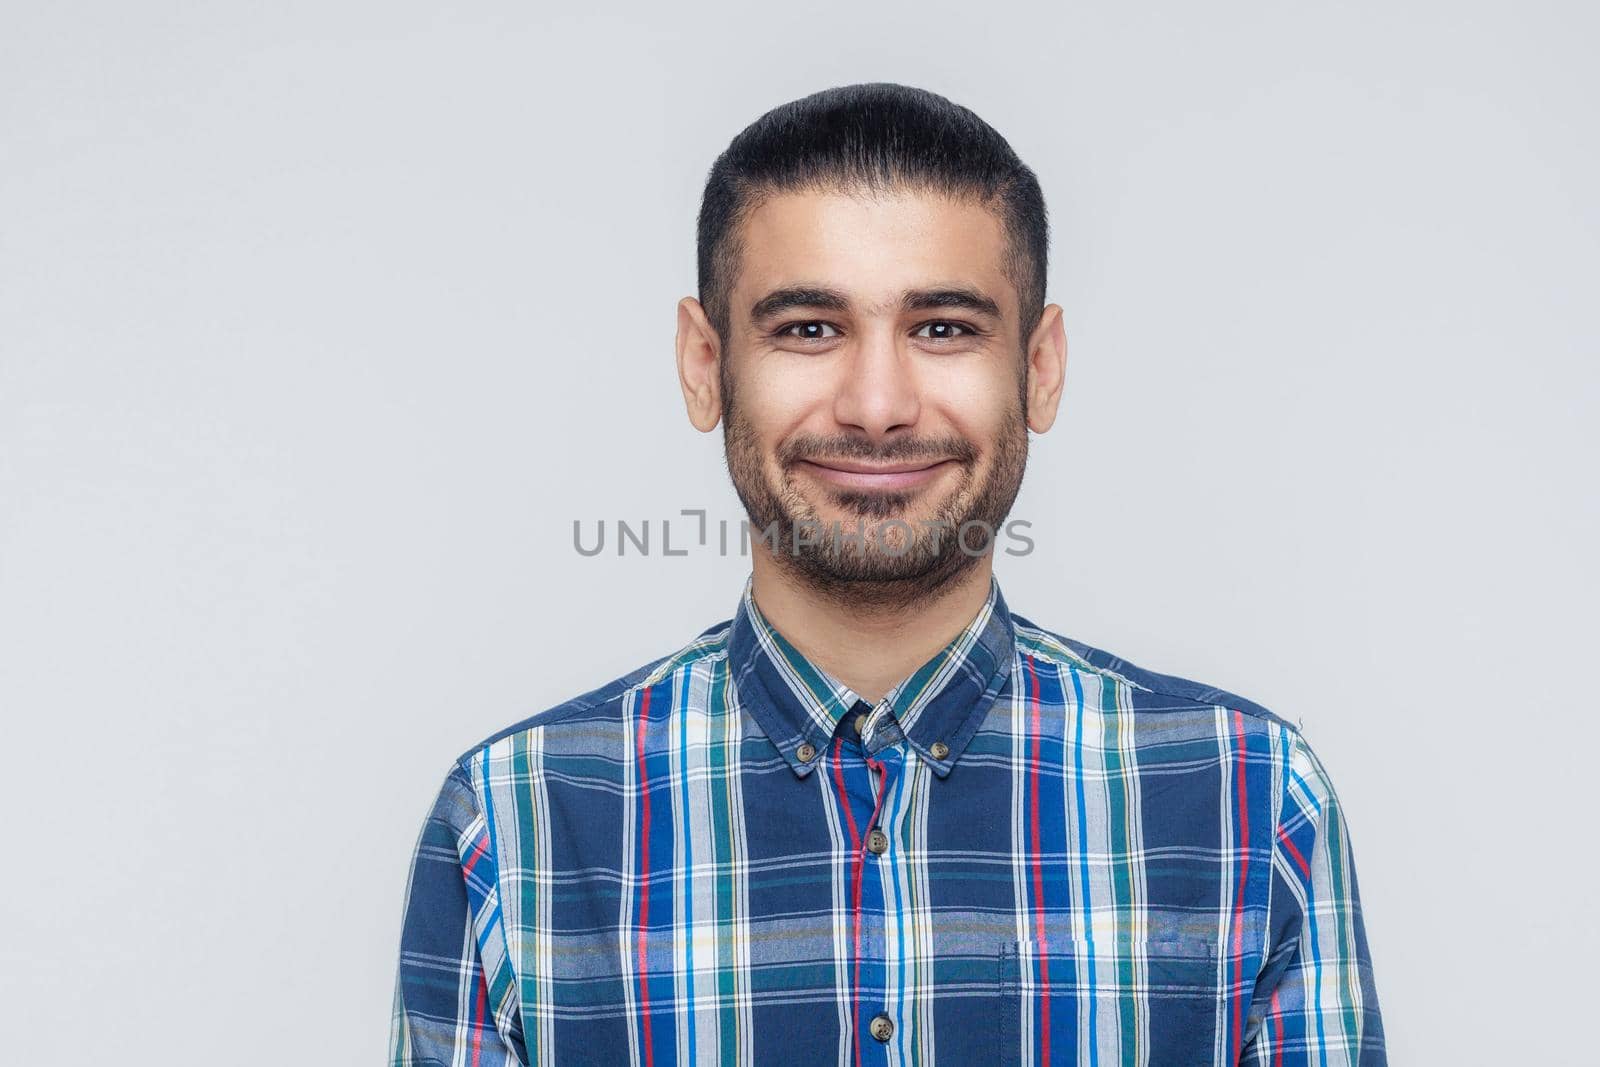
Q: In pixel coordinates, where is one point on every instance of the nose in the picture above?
(877, 391)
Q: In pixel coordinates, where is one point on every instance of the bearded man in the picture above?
(876, 816)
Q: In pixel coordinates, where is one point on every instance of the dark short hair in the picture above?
(871, 136)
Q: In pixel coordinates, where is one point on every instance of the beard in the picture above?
(876, 552)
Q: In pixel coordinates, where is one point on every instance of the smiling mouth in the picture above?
(879, 477)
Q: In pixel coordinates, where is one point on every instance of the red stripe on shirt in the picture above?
(1037, 865)
(644, 879)
(1234, 963)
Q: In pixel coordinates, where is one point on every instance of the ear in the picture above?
(699, 363)
(1047, 369)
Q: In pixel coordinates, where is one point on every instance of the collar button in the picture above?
(806, 752)
(939, 750)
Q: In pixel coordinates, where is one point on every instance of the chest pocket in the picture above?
(1117, 1001)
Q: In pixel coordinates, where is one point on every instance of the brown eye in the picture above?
(809, 331)
(943, 331)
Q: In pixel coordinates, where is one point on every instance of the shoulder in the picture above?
(1154, 690)
(605, 702)
(1299, 771)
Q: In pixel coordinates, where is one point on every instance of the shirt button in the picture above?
(939, 749)
(878, 844)
(861, 721)
(881, 1027)
(806, 752)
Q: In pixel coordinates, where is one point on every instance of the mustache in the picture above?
(904, 449)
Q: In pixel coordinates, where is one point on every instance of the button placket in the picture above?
(884, 919)
(876, 839)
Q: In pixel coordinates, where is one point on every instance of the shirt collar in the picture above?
(799, 705)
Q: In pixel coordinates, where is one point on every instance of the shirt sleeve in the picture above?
(455, 999)
(1315, 1002)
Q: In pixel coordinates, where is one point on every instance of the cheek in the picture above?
(979, 407)
(776, 405)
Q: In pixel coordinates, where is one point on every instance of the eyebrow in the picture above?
(798, 296)
(949, 297)
(826, 299)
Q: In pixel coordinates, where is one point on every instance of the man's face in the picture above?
(873, 378)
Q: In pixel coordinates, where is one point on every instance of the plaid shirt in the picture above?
(1029, 851)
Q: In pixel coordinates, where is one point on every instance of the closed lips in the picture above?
(856, 474)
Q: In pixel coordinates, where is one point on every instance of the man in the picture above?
(877, 817)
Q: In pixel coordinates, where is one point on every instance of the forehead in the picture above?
(873, 247)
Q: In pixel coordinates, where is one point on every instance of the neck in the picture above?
(873, 644)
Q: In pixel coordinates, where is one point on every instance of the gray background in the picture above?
(321, 322)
